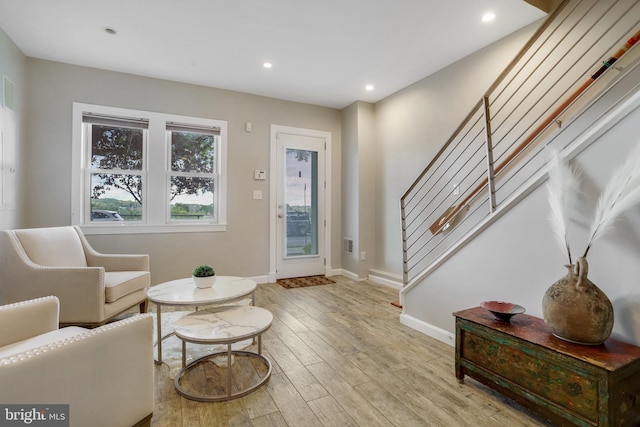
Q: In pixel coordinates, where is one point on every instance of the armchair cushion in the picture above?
(120, 283)
(40, 340)
(58, 246)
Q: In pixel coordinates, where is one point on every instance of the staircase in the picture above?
(498, 153)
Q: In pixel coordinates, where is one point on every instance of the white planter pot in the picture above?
(204, 282)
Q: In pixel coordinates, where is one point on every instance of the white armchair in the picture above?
(104, 374)
(92, 287)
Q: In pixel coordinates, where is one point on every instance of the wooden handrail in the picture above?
(495, 84)
(450, 214)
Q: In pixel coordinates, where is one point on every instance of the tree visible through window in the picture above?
(116, 165)
(193, 172)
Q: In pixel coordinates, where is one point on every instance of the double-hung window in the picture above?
(193, 172)
(137, 171)
(116, 167)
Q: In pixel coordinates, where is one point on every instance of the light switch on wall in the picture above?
(259, 175)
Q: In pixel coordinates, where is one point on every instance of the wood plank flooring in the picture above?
(341, 358)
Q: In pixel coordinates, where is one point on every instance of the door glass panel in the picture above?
(301, 199)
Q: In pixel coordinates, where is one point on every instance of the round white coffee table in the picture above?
(184, 292)
(223, 325)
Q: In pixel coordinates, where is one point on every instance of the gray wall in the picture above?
(413, 124)
(517, 258)
(389, 144)
(350, 190)
(359, 155)
(13, 66)
(244, 248)
(367, 173)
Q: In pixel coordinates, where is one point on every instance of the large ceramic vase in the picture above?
(576, 310)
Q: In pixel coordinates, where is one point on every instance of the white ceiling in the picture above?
(324, 52)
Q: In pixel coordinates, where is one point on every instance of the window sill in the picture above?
(151, 229)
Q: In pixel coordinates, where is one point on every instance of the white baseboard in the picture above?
(385, 279)
(428, 329)
(375, 276)
(349, 274)
(332, 272)
(261, 279)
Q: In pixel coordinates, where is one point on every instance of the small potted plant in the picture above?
(204, 276)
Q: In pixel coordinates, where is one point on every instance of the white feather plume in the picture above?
(621, 193)
(563, 187)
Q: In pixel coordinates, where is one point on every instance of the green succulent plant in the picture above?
(204, 271)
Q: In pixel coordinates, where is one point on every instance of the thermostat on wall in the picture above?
(260, 175)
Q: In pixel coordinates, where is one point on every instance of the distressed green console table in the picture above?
(569, 384)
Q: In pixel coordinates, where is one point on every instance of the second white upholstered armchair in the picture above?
(105, 374)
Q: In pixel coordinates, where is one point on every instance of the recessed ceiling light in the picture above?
(110, 30)
(267, 65)
(369, 88)
(488, 17)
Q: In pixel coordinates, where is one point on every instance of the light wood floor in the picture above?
(341, 358)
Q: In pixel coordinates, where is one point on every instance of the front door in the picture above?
(299, 204)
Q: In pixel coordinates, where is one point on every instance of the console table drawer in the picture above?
(567, 383)
(542, 376)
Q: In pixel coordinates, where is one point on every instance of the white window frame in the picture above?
(155, 175)
(175, 127)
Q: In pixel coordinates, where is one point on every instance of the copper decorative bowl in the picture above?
(502, 310)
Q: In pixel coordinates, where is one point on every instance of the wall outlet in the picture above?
(257, 194)
(363, 255)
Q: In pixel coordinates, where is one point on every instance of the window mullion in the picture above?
(194, 174)
(156, 163)
(116, 171)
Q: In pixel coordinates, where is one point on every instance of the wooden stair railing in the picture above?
(541, 86)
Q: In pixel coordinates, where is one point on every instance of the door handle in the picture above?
(280, 215)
